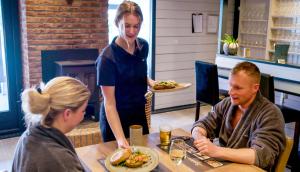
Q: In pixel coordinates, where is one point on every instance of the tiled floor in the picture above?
(7, 147)
(177, 119)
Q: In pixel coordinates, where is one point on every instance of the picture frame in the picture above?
(212, 23)
(197, 23)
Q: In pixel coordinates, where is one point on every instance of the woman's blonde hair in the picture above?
(128, 7)
(57, 95)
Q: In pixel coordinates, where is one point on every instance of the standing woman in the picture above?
(51, 112)
(122, 75)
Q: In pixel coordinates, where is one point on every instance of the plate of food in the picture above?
(169, 86)
(137, 159)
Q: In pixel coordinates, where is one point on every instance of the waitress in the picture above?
(122, 75)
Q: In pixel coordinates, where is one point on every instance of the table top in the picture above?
(91, 154)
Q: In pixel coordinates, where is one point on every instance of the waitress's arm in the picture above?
(113, 116)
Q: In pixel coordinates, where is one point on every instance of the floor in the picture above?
(176, 119)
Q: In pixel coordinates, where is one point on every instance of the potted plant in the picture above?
(231, 45)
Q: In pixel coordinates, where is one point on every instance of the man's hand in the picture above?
(206, 147)
(198, 133)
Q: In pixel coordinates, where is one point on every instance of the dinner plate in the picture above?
(180, 86)
(150, 165)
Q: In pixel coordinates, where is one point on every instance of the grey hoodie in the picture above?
(45, 149)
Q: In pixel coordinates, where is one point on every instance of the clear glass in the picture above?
(4, 106)
(177, 151)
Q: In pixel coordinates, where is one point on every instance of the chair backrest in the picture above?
(284, 156)
(207, 84)
(267, 87)
(148, 107)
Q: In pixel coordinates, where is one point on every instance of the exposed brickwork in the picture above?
(53, 25)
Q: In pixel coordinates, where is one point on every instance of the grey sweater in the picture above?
(43, 149)
(260, 128)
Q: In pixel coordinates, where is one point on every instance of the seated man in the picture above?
(250, 128)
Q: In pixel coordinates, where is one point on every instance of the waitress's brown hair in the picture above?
(128, 7)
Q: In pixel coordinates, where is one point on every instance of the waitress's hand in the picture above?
(151, 82)
(123, 143)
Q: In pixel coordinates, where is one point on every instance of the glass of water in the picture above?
(177, 151)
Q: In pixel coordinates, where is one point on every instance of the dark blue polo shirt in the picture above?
(127, 72)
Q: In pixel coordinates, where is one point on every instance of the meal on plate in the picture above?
(165, 85)
(120, 156)
(125, 157)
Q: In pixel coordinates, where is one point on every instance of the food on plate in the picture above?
(120, 156)
(126, 157)
(165, 85)
(136, 159)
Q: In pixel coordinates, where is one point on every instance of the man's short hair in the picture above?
(249, 68)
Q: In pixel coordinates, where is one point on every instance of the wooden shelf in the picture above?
(283, 40)
(285, 16)
(273, 51)
(253, 20)
(247, 33)
(284, 28)
(252, 46)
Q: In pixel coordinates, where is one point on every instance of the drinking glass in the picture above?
(165, 134)
(177, 151)
(136, 135)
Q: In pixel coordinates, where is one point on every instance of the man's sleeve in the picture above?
(268, 140)
(212, 121)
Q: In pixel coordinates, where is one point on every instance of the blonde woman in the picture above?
(122, 75)
(59, 106)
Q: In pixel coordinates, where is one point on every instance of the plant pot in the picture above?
(230, 49)
(225, 48)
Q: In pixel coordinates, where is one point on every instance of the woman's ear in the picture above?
(67, 114)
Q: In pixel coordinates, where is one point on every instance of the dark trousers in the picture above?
(131, 116)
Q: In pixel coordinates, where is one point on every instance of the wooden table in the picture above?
(90, 155)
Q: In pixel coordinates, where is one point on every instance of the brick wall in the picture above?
(54, 25)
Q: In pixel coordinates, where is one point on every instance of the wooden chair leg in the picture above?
(295, 156)
(197, 111)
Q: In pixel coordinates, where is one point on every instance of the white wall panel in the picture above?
(166, 49)
(185, 5)
(177, 47)
(179, 14)
(174, 66)
(185, 74)
(176, 32)
(171, 23)
(207, 39)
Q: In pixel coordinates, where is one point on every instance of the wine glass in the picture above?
(177, 151)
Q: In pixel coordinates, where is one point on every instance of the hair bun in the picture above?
(35, 102)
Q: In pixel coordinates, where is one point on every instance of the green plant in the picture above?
(229, 39)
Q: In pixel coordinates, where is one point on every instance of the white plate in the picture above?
(150, 165)
(180, 86)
